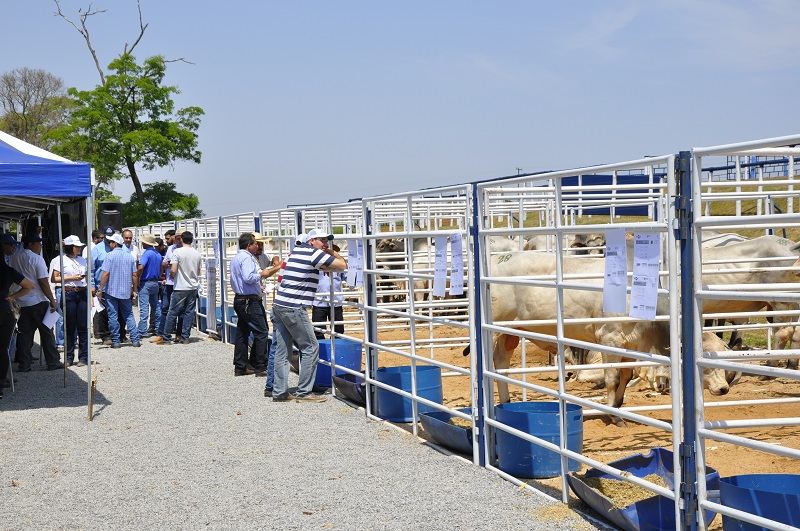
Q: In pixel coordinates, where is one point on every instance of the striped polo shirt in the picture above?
(301, 275)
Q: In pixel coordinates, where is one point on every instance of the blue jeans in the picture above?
(166, 295)
(181, 309)
(121, 308)
(293, 324)
(148, 297)
(77, 330)
(271, 358)
(60, 323)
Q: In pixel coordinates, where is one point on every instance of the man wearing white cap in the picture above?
(118, 281)
(149, 279)
(290, 314)
(74, 294)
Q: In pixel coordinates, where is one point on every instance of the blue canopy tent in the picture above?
(33, 180)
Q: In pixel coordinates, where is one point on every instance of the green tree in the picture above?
(162, 202)
(129, 122)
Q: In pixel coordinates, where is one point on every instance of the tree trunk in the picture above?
(137, 185)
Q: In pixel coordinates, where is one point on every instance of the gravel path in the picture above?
(179, 442)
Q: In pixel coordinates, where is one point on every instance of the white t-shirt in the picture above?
(31, 266)
(72, 266)
(188, 260)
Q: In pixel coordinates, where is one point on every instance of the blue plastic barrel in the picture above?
(348, 354)
(395, 408)
(521, 458)
(773, 496)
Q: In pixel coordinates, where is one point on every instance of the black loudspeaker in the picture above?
(109, 215)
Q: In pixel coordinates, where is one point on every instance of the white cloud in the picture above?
(596, 37)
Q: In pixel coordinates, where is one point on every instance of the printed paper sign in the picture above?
(440, 267)
(646, 263)
(352, 258)
(615, 283)
(456, 264)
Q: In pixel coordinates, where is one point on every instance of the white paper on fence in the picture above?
(50, 319)
(456, 264)
(644, 296)
(615, 282)
(646, 263)
(440, 267)
(352, 259)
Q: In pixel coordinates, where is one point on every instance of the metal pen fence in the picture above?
(542, 241)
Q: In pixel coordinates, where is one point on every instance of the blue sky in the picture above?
(320, 101)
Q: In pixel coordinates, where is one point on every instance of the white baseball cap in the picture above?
(117, 238)
(301, 238)
(319, 233)
(73, 240)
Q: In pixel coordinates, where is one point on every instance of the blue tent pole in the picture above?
(688, 450)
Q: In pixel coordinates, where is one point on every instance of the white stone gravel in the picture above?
(178, 442)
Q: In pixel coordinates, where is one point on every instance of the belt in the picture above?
(71, 289)
(248, 297)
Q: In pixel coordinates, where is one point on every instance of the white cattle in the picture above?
(529, 303)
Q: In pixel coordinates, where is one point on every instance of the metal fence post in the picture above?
(221, 274)
(370, 316)
(477, 348)
(688, 449)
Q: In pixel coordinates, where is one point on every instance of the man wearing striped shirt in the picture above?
(290, 314)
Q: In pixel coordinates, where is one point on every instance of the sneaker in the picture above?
(55, 367)
(286, 397)
(310, 398)
(107, 342)
(81, 364)
(267, 393)
(136, 344)
(156, 339)
(243, 372)
(116, 345)
(261, 373)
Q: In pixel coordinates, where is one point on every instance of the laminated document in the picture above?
(646, 264)
(615, 283)
(352, 258)
(440, 267)
(456, 264)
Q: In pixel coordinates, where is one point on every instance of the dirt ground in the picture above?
(606, 442)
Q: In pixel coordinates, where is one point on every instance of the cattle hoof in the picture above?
(619, 422)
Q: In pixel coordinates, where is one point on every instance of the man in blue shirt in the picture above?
(248, 304)
(149, 277)
(100, 250)
(118, 280)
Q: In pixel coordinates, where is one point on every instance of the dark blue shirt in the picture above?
(151, 264)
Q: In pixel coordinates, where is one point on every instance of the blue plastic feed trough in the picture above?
(437, 424)
(773, 496)
(395, 408)
(348, 354)
(521, 458)
(650, 513)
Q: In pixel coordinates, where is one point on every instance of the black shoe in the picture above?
(261, 373)
(55, 367)
(116, 345)
(285, 397)
(26, 369)
(243, 372)
(268, 393)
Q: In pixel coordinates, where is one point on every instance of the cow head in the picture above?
(391, 245)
